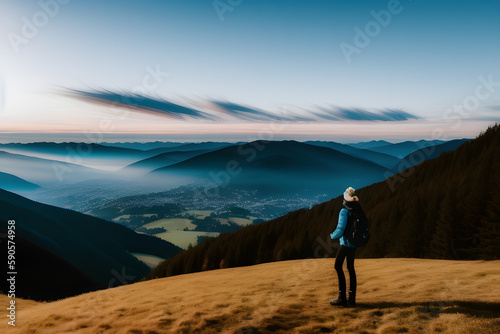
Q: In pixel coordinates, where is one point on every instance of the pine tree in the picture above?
(442, 240)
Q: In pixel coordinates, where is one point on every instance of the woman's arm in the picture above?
(339, 231)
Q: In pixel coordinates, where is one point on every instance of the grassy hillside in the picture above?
(394, 296)
(448, 208)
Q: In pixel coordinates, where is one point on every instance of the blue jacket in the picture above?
(339, 231)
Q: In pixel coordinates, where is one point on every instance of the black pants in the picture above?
(342, 253)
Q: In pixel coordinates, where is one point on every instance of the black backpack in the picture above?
(356, 230)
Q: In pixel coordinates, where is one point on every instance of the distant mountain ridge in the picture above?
(164, 159)
(143, 146)
(84, 154)
(67, 148)
(284, 169)
(278, 165)
(369, 144)
(43, 171)
(447, 208)
(386, 160)
(430, 152)
(400, 150)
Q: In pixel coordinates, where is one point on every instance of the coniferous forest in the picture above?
(444, 208)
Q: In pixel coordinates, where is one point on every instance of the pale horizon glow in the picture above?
(342, 133)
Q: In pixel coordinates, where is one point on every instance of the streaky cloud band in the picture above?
(226, 111)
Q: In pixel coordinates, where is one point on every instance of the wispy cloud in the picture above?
(356, 114)
(140, 103)
(246, 112)
(223, 111)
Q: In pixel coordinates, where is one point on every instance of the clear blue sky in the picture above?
(266, 54)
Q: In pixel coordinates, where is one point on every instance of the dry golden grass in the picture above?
(394, 296)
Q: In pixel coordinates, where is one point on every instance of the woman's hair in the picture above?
(349, 195)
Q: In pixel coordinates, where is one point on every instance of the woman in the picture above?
(351, 203)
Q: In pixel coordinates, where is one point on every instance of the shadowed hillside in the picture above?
(100, 249)
(44, 275)
(13, 183)
(447, 208)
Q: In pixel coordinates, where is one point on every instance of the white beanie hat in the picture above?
(349, 195)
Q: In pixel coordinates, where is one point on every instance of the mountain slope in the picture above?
(448, 207)
(13, 183)
(185, 147)
(394, 296)
(144, 146)
(401, 150)
(70, 149)
(370, 144)
(99, 248)
(427, 153)
(89, 155)
(162, 160)
(107, 157)
(278, 167)
(45, 172)
(386, 160)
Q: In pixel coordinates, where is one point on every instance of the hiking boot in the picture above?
(340, 301)
(351, 302)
